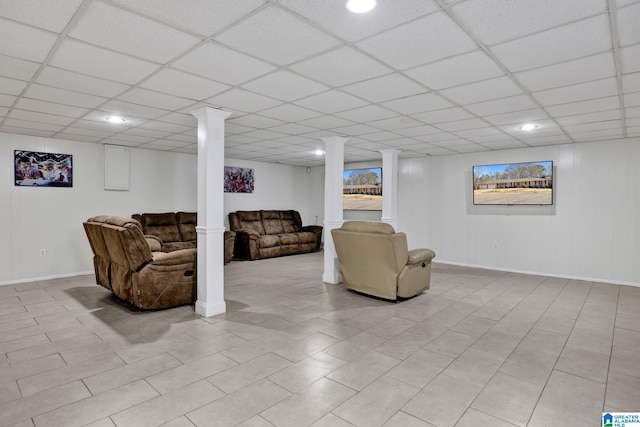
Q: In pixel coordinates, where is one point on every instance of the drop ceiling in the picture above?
(426, 77)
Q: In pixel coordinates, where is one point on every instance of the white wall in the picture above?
(591, 232)
(35, 218)
(276, 187)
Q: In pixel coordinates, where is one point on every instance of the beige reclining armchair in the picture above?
(136, 270)
(375, 260)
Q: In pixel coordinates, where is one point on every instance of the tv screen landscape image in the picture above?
(529, 183)
(362, 189)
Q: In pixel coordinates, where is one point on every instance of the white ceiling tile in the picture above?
(522, 117)
(128, 109)
(164, 127)
(205, 17)
(581, 70)
(21, 41)
(326, 122)
(462, 125)
(615, 125)
(628, 18)
(418, 42)
(99, 120)
(446, 115)
(264, 134)
(354, 130)
(184, 85)
(291, 129)
(147, 133)
(503, 145)
(51, 15)
(82, 138)
(11, 86)
(220, 63)
(595, 135)
(67, 97)
(40, 117)
(417, 131)
(503, 105)
(576, 40)
(332, 15)
(395, 123)
(239, 99)
(461, 69)
(500, 87)
(385, 88)
(340, 67)
(331, 102)
(632, 99)
(256, 121)
(367, 113)
(289, 113)
(630, 59)
(50, 108)
(155, 99)
(631, 82)
(418, 103)
(56, 77)
(35, 124)
(479, 133)
(108, 26)
(17, 68)
(181, 119)
(588, 106)
(509, 19)
(7, 101)
(285, 85)
(589, 117)
(580, 92)
(264, 34)
(97, 62)
(379, 136)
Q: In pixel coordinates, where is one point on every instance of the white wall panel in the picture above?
(591, 231)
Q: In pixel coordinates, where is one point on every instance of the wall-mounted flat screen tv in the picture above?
(362, 189)
(529, 183)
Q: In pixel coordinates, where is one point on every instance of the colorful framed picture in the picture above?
(238, 180)
(36, 169)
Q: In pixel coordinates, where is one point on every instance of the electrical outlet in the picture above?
(43, 252)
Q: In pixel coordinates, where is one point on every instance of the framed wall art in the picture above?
(238, 180)
(37, 169)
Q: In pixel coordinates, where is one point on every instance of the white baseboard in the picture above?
(537, 273)
(36, 279)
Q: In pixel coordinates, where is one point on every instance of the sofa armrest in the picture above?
(155, 243)
(417, 256)
(247, 232)
(181, 256)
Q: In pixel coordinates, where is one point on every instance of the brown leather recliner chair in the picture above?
(375, 260)
(148, 280)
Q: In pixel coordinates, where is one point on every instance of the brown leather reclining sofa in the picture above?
(134, 268)
(272, 233)
(177, 230)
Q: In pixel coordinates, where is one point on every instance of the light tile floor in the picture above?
(481, 348)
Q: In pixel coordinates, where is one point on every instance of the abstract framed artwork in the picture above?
(238, 180)
(38, 169)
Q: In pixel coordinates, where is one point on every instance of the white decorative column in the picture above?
(210, 227)
(333, 215)
(390, 187)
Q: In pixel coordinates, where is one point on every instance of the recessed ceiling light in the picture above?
(360, 6)
(528, 126)
(115, 119)
(318, 152)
